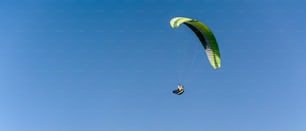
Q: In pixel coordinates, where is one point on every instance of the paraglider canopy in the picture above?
(205, 35)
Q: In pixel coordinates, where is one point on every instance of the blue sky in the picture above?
(88, 65)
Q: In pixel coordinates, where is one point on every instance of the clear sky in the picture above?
(110, 65)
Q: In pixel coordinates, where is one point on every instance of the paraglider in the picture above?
(179, 90)
(206, 38)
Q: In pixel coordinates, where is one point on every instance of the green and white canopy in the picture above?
(205, 35)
